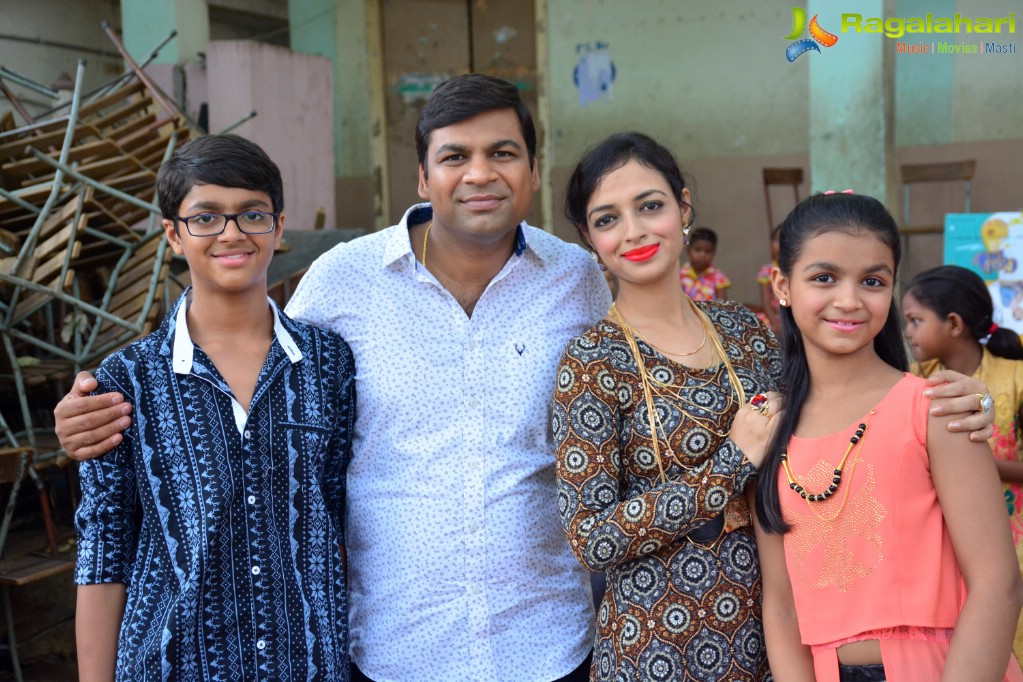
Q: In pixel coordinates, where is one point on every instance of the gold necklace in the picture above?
(653, 418)
(796, 485)
(681, 355)
(425, 237)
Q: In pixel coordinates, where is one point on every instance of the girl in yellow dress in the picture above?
(949, 325)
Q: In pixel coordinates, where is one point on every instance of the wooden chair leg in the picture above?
(12, 642)
(44, 504)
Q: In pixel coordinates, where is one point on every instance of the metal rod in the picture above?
(107, 237)
(71, 173)
(146, 61)
(11, 196)
(251, 115)
(66, 298)
(172, 143)
(139, 73)
(28, 83)
(30, 241)
(16, 103)
(117, 81)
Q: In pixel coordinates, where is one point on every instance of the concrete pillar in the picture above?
(924, 113)
(852, 110)
(338, 31)
(144, 23)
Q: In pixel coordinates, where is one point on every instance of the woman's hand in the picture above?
(754, 425)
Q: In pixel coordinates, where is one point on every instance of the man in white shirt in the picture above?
(459, 568)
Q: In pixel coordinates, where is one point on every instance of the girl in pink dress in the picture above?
(884, 544)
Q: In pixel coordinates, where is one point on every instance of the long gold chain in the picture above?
(425, 237)
(653, 418)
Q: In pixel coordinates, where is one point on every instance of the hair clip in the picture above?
(844, 191)
(992, 329)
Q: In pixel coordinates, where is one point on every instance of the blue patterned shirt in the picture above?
(226, 528)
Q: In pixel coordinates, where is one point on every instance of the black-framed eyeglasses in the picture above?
(212, 224)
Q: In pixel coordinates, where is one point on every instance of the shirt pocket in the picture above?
(306, 446)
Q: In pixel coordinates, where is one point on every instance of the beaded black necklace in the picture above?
(836, 481)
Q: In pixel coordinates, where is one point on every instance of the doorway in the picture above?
(425, 42)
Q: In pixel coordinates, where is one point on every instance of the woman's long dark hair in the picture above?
(816, 215)
(951, 289)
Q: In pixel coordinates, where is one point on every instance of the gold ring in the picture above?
(986, 403)
(765, 410)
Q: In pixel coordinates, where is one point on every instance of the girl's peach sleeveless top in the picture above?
(874, 561)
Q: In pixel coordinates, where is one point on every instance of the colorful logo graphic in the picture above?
(817, 35)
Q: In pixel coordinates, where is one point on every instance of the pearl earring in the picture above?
(783, 302)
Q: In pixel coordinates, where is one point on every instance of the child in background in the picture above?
(700, 279)
(770, 315)
(949, 324)
(884, 546)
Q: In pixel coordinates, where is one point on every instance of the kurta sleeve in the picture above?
(606, 525)
(109, 516)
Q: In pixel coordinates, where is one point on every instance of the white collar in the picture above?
(181, 359)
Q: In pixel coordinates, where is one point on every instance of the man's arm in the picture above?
(98, 616)
(87, 425)
(955, 393)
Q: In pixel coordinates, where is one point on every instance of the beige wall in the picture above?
(711, 82)
(66, 31)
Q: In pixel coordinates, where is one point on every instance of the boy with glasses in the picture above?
(211, 538)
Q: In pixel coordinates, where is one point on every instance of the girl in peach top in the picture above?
(884, 545)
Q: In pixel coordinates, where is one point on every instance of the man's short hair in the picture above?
(225, 160)
(463, 97)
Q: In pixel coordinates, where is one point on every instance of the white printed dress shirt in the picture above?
(459, 568)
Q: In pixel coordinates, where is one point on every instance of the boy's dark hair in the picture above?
(815, 215)
(951, 289)
(225, 160)
(463, 97)
(607, 157)
(704, 234)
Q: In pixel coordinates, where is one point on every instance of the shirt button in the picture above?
(252, 499)
(260, 645)
(248, 434)
(473, 527)
(255, 570)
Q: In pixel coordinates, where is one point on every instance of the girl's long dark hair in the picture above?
(951, 289)
(820, 214)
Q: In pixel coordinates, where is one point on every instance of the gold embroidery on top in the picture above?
(860, 518)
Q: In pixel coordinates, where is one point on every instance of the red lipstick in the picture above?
(642, 253)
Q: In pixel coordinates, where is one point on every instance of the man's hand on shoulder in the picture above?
(953, 393)
(87, 425)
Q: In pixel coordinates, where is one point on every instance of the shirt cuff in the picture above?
(732, 461)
